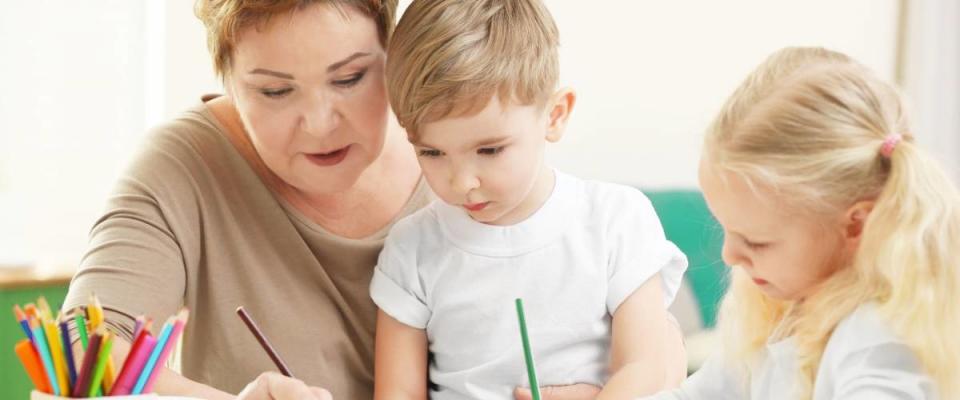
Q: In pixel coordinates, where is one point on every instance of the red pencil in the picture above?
(82, 387)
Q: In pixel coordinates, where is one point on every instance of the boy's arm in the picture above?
(400, 369)
(641, 349)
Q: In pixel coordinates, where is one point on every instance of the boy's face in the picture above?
(492, 163)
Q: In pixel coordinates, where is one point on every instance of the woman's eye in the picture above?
(755, 245)
(276, 93)
(430, 153)
(351, 80)
(490, 151)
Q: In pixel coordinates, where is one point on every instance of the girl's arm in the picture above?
(400, 369)
(641, 350)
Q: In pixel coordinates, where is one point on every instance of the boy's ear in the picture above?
(560, 106)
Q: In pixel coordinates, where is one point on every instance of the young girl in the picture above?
(844, 236)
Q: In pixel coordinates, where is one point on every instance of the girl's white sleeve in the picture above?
(716, 380)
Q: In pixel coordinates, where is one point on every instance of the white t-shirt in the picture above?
(573, 262)
(863, 360)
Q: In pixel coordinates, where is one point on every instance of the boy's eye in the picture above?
(490, 151)
(276, 93)
(430, 153)
(351, 80)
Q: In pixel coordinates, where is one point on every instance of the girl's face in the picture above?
(309, 88)
(786, 253)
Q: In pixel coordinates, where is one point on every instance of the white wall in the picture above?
(80, 82)
(71, 107)
(651, 75)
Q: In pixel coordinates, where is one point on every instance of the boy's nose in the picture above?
(464, 181)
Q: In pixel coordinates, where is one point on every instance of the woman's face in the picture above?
(309, 88)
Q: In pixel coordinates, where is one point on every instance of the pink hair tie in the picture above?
(890, 143)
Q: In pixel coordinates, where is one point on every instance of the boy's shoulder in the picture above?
(608, 198)
(421, 224)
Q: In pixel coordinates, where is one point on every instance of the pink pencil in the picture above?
(171, 343)
(140, 352)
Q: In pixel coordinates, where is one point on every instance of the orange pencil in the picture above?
(31, 362)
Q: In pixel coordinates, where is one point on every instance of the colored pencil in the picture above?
(22, 318)
(81, 328)
(82, 388)
(167, 348)
(31, 362)
(56, 353)
(44, 351)
(154, 357)
(68, 352)
(101, 366)
(139, 353)
(255, 330)
(527, 352)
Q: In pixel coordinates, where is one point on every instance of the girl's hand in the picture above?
(580, 391)
(273, 386)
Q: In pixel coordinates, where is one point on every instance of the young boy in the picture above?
(474, 83)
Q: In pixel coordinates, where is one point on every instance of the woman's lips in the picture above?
(329, 159)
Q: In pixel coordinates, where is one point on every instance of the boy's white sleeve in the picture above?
(639, 250)
(396, 287)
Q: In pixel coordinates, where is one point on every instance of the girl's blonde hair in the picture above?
(809, 124)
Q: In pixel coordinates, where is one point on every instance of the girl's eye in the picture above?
(490, 151)
(430, 153)
(351, 80)
(276, 93)
(755, 245)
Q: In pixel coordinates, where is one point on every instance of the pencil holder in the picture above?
(37, 395)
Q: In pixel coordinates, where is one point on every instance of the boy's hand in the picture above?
(580, 391)
(273, 386)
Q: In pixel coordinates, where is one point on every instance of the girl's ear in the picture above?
(854, 219)
(560, 106)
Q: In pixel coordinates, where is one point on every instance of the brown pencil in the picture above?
(263, 341)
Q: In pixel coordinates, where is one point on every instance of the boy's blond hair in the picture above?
(809, 124)
(450, 57)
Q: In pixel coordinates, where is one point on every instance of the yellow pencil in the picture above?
(44, 307)
(52, 333)
(95, 312)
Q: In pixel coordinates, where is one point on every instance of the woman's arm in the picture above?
(640, 350)
(400, 370)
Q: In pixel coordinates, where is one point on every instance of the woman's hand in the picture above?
(580, 391)
(273, 386)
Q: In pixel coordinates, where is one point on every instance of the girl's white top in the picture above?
(863, 360)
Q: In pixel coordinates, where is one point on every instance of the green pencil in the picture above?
(527, 353)
(82, 329)
(101, 365)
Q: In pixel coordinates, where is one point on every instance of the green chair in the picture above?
(688, 223)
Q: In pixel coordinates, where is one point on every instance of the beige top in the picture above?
(190, 223)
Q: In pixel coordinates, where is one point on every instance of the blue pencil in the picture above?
(68, 352)
(152, 361)
(44, 350)
(24, 322)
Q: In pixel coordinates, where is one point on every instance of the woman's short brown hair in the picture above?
(225, 19)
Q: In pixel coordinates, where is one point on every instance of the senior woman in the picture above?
(276, 196)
